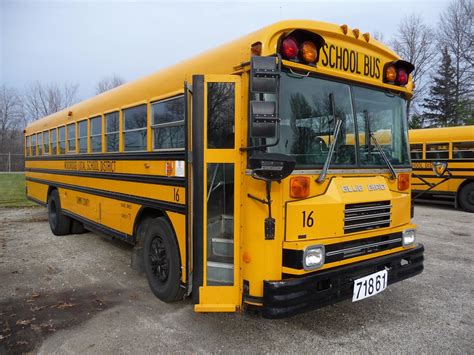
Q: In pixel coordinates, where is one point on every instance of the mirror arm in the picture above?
(255, 147)
(269, 221)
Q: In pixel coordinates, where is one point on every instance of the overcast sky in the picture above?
(83, 41)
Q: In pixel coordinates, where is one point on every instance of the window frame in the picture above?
(39, 144)
(117, 132)
(55, 150)
(422, 150)
(28, 146)
(90, 135)
(437, 151)
(154, 126)
(68, 150)
(46, 134)
(78, 136)
(460, 142)
(123, 131)
(60, 141)
(33, 145)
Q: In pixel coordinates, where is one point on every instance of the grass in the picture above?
(12, 190)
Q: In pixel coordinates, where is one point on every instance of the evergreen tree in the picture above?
(440, 105)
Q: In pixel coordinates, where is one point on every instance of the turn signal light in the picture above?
(391, 74)
(308, 52)
(403, 181)
(299, 187)
(289, 48)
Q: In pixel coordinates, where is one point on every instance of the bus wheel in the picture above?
(77, 227)
(161, 261)
(466, 197)
(59, 223)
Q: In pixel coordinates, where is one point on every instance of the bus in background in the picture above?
(249, 176)
(454, 148)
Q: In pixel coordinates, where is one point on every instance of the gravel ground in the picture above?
(77, 294)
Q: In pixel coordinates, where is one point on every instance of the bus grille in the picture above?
(366, 216)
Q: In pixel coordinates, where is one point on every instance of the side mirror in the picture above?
(264, 74)
(263, 119)
(271, 166)
(439, 167)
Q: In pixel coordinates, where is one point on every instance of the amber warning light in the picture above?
(397, 72)
(301, 46)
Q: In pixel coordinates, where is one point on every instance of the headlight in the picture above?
(313, 257)
(409, 237)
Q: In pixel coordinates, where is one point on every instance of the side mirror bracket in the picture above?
(270, 167)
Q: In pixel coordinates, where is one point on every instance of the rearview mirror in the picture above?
(264, 74)
(271, 166)
(263, 119)
(439, 167)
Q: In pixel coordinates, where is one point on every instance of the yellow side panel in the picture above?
(37, 191)
(179, 225)
(158, 192)
(114, 214)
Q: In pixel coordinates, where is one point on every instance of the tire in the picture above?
(77, 227)
(466, 197)
(161, 261)
(59, 223)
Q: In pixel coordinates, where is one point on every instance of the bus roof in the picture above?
(225, 59)
(440, 135)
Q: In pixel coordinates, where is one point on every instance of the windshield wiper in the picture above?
(379, 147)
(324, 172)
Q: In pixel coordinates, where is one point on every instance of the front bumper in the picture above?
(291, 296)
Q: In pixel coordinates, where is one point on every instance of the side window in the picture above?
(416, 151)
(463, 150)
(46, 142)
(112, 131)
(71, 138)
(82, 136)
(96, 134)
(62, 140)
(33, 144)
(28, 145)
(39, 146)
(220, 115)
(437, 151)
(134, 128)
(168, 123)
(54, 141)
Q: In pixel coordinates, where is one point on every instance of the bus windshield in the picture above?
(310, 108)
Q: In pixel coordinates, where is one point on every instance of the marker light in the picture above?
(391, 74)
(308, 52)
(313, 257)
(299, 187)
(402, 77)
(289, 48)
(403, 181)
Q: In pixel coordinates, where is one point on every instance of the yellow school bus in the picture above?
(238, 174)
(452, 149)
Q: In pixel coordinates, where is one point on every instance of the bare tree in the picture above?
(456, 32)
(11, 117)
(108, 83)
(42, 100)
(413, 42)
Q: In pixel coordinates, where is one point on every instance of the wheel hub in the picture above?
(159, 259)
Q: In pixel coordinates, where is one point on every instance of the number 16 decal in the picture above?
(308, 220)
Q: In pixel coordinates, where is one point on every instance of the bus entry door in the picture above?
(216, 175)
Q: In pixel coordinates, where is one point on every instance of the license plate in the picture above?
(370, 285)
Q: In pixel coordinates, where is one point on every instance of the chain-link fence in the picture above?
(12, 162)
